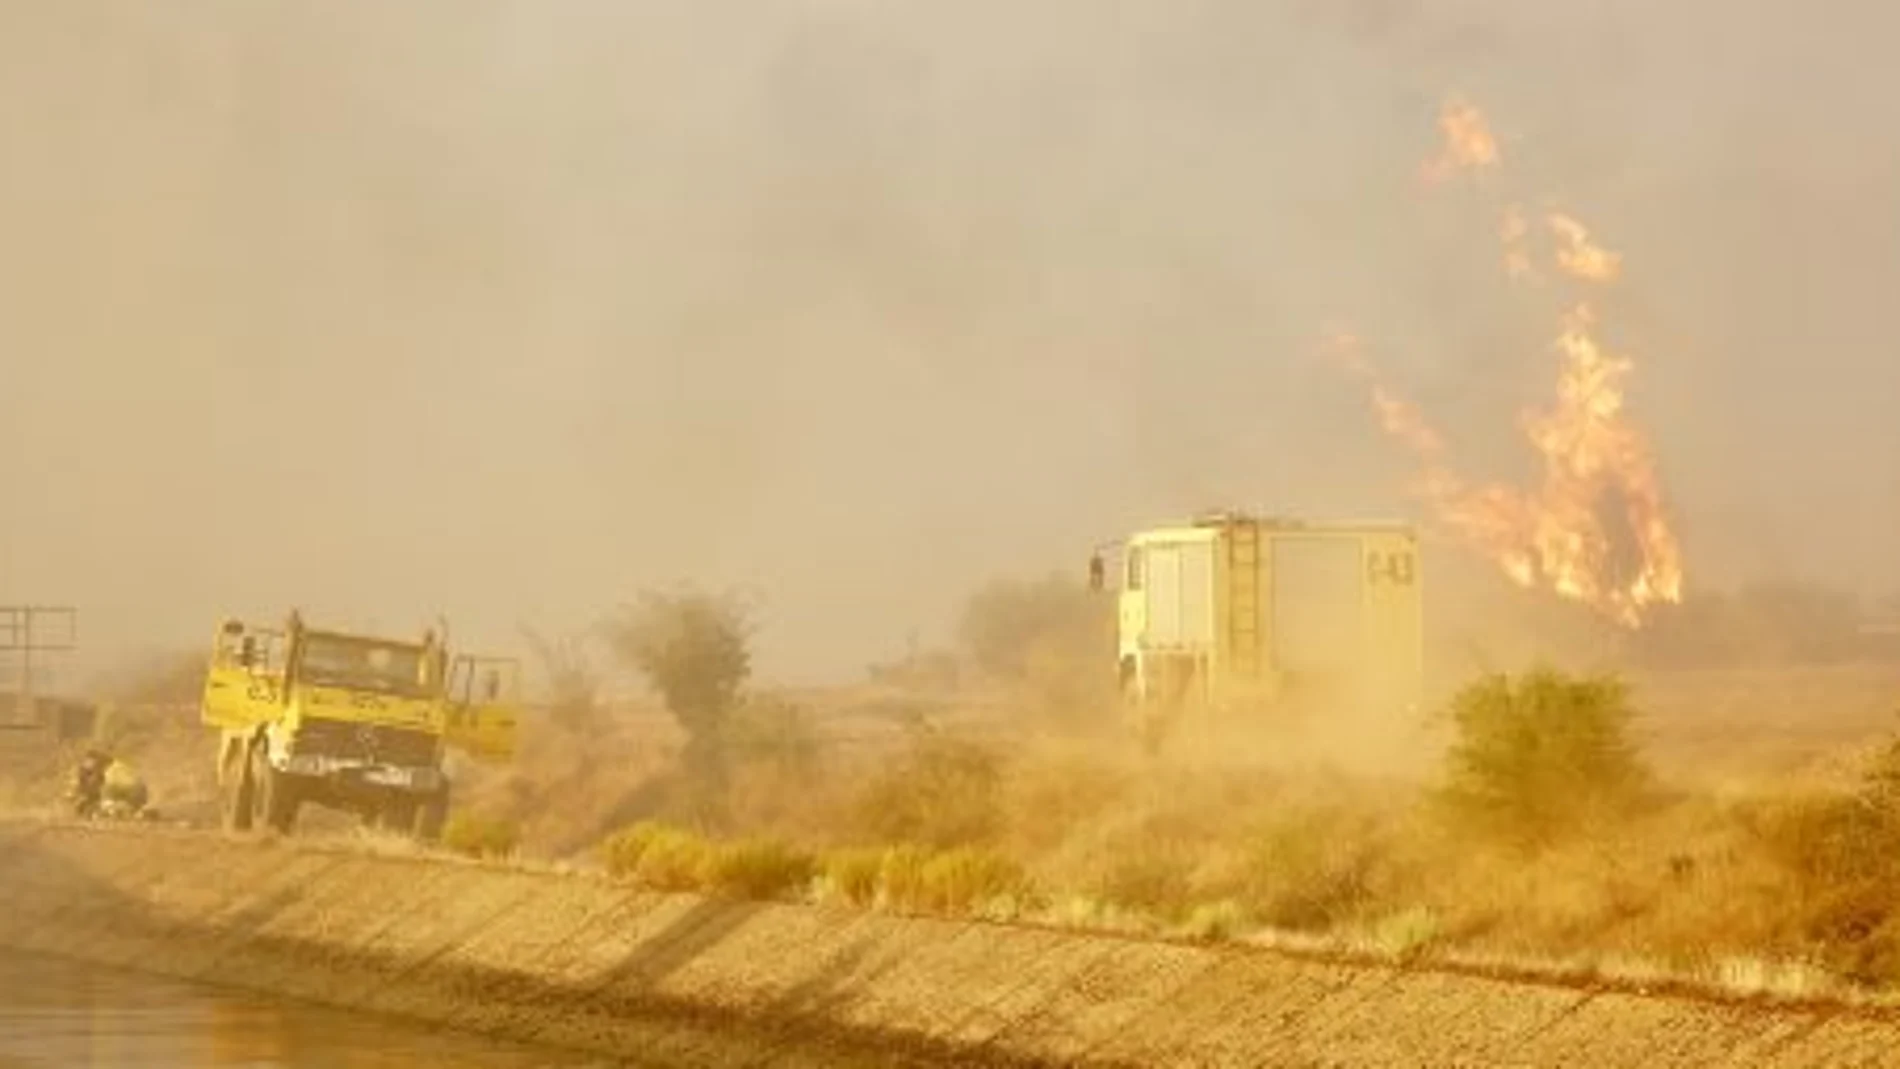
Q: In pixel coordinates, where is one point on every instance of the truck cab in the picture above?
(353, 722)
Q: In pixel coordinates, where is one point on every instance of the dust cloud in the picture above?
(503, 310)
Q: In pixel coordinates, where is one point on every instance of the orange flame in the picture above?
(1595, 529)
(1469, 146)
(1578, 255)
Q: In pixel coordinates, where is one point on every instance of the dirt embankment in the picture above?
(676, 980)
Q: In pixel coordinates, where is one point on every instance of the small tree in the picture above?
(694, 648)
(1540, 756)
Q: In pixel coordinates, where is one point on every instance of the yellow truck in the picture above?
(1228, 613)
(350, 722)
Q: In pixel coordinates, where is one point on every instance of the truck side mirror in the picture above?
(1098, 572)
(492, 685)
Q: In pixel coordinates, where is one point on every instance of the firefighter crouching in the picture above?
(89, 783)
(105, 786)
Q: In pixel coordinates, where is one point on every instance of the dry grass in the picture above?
(476, 835)
(1781, 887)
(1769, 890)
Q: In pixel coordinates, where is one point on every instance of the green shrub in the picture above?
(1541, 756)
(479, 836)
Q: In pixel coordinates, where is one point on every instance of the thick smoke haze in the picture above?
(504, 310)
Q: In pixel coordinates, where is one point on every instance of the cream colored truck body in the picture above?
(1231, 613)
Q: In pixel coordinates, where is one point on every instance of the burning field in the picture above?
(1596, 528)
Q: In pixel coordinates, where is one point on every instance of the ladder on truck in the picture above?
(1243, 599)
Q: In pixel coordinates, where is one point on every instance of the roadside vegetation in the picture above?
(1543, 836)
(1543, 833)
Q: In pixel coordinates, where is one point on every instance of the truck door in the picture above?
(244, 683)
(484, 707)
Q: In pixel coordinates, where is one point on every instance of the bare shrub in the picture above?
(1841, 851)
(1540, 756)
(574, 685)
(479, 836)
(944, 792)
(1314, 868)
(1050, 637)
(1157, 882)
(1048, 799)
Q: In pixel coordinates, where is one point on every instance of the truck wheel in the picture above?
(238, 790)
(397, 814)
(434, 813)
(276, 795)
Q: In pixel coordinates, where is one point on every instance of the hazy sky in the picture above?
(507, 309)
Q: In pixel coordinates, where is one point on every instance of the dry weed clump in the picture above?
(962, 881)
(944, 792)
(853, 876)
(479, 836)
(958, 882)
(757, 869)
(1840, 856)
(1323, 865)
(666, 858)
(657, 855)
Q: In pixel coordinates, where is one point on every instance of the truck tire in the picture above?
(397, 814)
(237, 789)
(276, 794)
(432, 815)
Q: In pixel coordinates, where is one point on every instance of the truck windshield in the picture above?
(329, 661)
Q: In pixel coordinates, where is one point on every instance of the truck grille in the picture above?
(346, 740)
